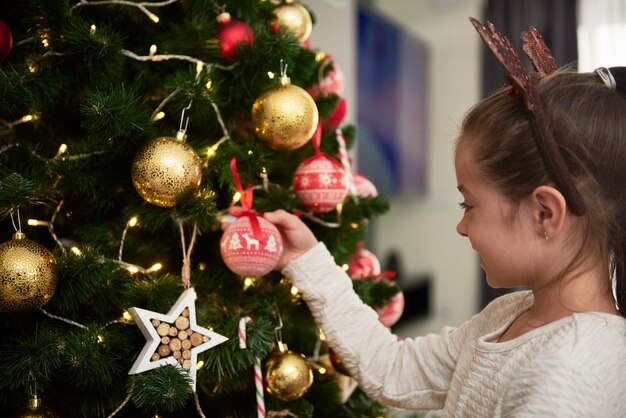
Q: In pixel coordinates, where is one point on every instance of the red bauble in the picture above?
(333, 83)
(320, 183)
(6, 40)
(335, 119)
(392, 311)
(230, 33)
(247, 254)
(363, 264)
(364, 187)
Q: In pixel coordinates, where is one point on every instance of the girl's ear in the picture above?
(550, 209)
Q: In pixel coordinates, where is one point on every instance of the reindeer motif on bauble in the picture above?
(251, 242)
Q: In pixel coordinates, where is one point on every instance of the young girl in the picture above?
(558, 349)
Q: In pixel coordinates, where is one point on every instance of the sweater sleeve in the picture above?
(409, 374)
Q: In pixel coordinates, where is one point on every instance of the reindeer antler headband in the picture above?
(519, 78)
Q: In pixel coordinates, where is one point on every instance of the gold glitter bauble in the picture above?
(284, 116)
(35, 410)
(293, 18)
(288, 375)
(164, 170)
(28, 274)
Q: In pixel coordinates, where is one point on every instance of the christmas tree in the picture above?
(128, 132)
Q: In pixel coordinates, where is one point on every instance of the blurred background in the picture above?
(425, 62)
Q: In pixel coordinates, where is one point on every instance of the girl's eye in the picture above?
(465, 206)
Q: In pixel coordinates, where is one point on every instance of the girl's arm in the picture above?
(411, 374)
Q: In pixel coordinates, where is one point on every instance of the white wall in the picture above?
(423, 229)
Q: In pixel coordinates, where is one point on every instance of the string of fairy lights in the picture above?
(6, 127)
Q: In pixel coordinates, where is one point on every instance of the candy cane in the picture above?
(258, 376)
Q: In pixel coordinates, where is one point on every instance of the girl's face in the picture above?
(498, 230)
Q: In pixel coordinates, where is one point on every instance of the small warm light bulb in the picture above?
(199, 365)
(132, 269)
(32, 69)
(294, 290)
(153, 50)
(345, 267)
(209, 84)
(33, 222)
(210, 152)
(45, 42)
(322, 336)
(354, 225)
(271, 74)
(100, 339)
(250, 152)
(247, 282)
(320, 56)
(62, 149)
(27, 118)
(339, 207)
(127, 316)
(201, 266)
(133, 221)
(76, 251)
(151, 15)
(236, 197)
(158, 116)
(155, 267)
(199, 67)
(92, 29)
(321, 370)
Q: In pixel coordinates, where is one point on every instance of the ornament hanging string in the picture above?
(345, 161)
(246, 203)
(219, 8)
(258, 376)
(18, 227)
(187, 250)
(182, 116)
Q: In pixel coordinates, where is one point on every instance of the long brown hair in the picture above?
(588, 121)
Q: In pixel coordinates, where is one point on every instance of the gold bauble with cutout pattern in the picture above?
(166, 169)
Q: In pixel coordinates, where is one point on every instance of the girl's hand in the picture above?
(297, 237)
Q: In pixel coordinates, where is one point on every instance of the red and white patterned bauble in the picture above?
(231, 33)
(392, 311)
(333, 83)
(363, 263)
(319, 183)
(364, 187)
(249, 255)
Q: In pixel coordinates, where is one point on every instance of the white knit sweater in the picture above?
(574, 367)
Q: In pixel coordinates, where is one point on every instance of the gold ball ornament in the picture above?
(35, 409)
(288, 375)
(165, 169)
(284, 116)
(28, 274)
(293, 18)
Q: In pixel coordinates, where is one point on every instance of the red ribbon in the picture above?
(246, 203)
(317, 138)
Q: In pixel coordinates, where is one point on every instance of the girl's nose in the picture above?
(460, 229)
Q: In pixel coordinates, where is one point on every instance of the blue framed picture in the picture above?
(392, 108)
